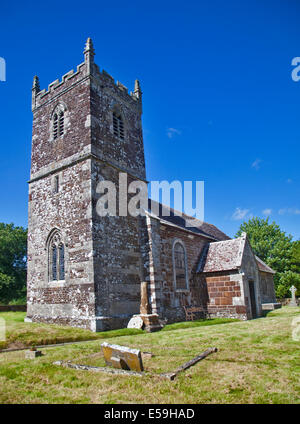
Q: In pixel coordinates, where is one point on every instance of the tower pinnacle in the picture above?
(89, 47)
(89, 54)
(137, 89)
(36, 84)
(35, 90)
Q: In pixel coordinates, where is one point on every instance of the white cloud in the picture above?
(289, 211)
(173, 131)
(267, 212)
(256, 164)
(239, 214)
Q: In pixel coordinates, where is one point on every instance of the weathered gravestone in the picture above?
(31, 354)
(122, 357)
(293, 302)
(136, 322)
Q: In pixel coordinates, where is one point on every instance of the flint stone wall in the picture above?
(103, 262)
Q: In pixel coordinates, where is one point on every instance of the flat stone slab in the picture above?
(122, 357)
(151, 322)
(270, 306)
(147, 355)
(31, 354)
(68, 364)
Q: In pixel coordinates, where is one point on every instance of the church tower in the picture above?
(83, 269)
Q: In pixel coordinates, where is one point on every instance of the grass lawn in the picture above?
(20, 334)
(257, 362)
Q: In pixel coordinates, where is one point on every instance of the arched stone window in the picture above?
(56, 257)
(180, 266)
(58, 121)
(118, 124)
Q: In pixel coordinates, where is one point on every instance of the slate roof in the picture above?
(201, 228)
(222, 256)
(226, 256)
(262, 266)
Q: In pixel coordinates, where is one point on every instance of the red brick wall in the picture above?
(222, 288)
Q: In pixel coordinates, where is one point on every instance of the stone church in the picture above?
(85, 270)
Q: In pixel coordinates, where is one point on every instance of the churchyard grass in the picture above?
(20, 334)
(257, 362)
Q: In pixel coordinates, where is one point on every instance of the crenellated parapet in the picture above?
(85, 70)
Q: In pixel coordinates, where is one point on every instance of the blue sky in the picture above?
(219, 101)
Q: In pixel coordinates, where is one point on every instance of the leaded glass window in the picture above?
(56, 257)
(61, 262)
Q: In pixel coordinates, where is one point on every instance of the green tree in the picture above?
(286, 281)
(277, 249)
(296, 256)
(13, 251)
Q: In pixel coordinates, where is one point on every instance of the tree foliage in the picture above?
(13, 251)
(296, 256)
(286, 281)
(277, 250)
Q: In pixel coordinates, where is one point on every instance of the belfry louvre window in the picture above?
(61, 123)
(55, 126)
(180, 266)
(58, 124)
(56, 184)
(118, 125)
(56, 258)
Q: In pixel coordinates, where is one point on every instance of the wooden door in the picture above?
(252, 299)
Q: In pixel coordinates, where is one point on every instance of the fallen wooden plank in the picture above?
(172, 375)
